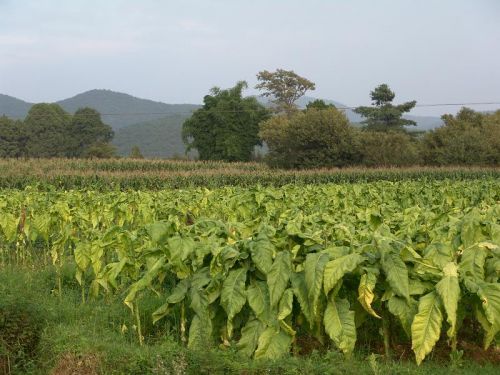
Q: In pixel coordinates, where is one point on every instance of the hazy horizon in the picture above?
(175, 52)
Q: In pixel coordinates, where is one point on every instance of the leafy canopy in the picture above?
(312, 138)
(385, 116)
(226, 127)
(285, 87)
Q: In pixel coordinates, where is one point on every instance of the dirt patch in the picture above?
(477, 354)
(72, 364)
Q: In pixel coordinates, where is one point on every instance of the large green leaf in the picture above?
(365, 292)
(278, 276)
(250, 334)
(489, 293)
(336, 269)
(200, 332)
(396, 272)
(339, 324)
(426, 326)
(286, 304)
(258, 299)
(449, 291)
(273, 344)
(404, 310)
(472, 263)
(233, 296)
(262, 253)
(314, 266)
(300, 291)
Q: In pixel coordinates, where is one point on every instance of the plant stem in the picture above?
(138, 324)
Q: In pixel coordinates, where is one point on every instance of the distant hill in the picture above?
(13, 107)
(156, 138)
(131, 110)
(155, 127)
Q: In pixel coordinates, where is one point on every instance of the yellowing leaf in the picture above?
(449, 291)
(426, 326)
(365, 292)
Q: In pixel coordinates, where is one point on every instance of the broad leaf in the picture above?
(336, 269)
(426, 326)
(314, 266)
(258, 299)
(396, 273)
(273, 344)
(449, 291)
(278, 276)
(365, 292)
(300, 291)
(339, 324)
(233, 296)
(250, 334)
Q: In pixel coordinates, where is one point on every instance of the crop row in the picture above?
(49, 174)
(258, 268)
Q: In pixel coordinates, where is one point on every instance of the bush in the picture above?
(469, 138)
(388, 149)
(314, 138)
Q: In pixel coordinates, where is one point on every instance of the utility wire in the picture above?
(175, 113)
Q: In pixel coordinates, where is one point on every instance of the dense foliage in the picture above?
(467, 138)
(284, 88)
(312, 138)
(49, 131)
(384, 116)
(226, 127)
(256, 269)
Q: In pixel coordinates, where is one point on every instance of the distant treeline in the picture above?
(48, 131)
(229, 126)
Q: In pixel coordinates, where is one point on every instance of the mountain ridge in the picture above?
(155, 127)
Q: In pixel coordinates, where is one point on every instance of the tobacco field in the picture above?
(258, 269)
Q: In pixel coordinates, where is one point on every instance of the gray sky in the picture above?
(174, 51)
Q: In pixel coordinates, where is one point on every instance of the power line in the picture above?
(253, 110)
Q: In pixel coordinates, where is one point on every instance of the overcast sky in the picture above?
(174, 51)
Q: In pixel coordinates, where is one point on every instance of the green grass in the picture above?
(99, 336)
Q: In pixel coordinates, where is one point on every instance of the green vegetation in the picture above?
(314, 138)
(385, 116)
(135, 174)
(259, 270)
(284, 88)
(49, 131)
(226, 127)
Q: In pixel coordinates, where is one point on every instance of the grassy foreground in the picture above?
(99, 338)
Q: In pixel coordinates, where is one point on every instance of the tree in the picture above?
(468, 138)
(226, 127)
(385, 116)
(100, 150)
(310, 139)
(319, 104)
(285, 87)
(135, 153)
(12, 138)
(86, 129)
(47, 128)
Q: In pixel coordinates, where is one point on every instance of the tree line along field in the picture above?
(376, 270)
